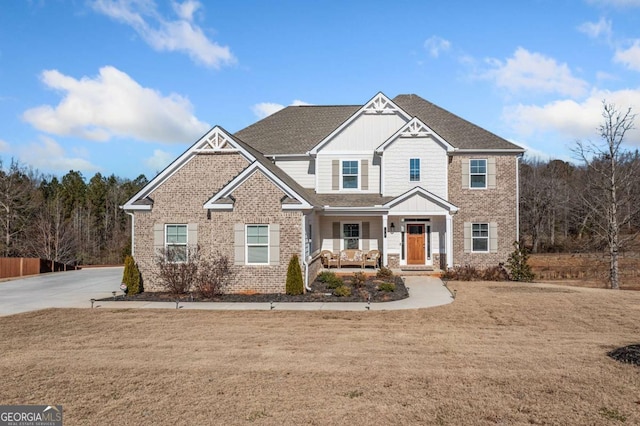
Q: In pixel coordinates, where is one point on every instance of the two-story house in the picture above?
(403, 176)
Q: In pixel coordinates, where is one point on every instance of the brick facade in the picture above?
(180, 200)
(497, 205)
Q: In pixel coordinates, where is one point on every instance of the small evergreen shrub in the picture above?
(131, 276)
(517, 263)
(387, 287)
(294, 285)
(358, 280)
(326, 276)
(334, 282)
(342, 291)
(384, 273)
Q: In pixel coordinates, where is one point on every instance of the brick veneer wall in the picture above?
(257, 200)
(497, 205)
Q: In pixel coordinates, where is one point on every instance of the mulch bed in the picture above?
(627, 354)
(319, 293)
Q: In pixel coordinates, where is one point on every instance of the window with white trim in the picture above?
(351, 235)
(414, 169)
(480, 237)
(257, 244)
(478, 173)
(175, 243)
(350, 174)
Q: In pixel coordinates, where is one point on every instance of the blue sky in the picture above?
(125, 86)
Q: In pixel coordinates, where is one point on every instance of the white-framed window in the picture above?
(351, 235)
(414, 169)
(175, 243)
(478, 173)
(257, 244)
(480, 237)
(350, 174)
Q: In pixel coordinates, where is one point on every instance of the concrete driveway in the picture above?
(72, 289)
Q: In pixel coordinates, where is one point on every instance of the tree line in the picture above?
(69, 220)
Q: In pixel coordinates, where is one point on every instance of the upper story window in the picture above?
(257, 244)
(350, 174)
(176, 243)
(478, 173)
(414, 169)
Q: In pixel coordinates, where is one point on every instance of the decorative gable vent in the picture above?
(215, 141)
(380, 104)
(415, 128)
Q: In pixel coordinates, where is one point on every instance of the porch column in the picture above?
(449, 232)
(385, 262)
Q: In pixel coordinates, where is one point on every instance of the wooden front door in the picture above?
(415, 244)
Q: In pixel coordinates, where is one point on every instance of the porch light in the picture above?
(393, 227)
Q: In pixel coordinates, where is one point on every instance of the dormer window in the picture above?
(350, 174)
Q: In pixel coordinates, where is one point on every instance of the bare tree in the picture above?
(611, 174)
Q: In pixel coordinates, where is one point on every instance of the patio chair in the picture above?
(329, 259)
(372, 258)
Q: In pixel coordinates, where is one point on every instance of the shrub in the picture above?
(180, 272)
(495, 273)
(387, 287)
(131, 276)
(517, 263)
(342, 291)
(461, 273)
(177, 271)
(294, 285)
(214, 274)
(326, 276)
(334, 282)
(384, 273)
(358, 280)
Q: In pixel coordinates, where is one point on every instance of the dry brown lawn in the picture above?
(501, 353)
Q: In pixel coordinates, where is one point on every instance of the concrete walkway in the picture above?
(75, 289)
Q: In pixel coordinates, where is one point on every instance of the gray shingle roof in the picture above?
(351, 200)
(459, 132)
(295, 129)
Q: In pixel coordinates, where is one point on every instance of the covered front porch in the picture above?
(412, 231)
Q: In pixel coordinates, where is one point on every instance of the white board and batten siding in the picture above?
(302, 170)
(433, 166)
(364, 134)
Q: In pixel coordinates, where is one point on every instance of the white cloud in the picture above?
(573, 120)
(159, 160)
(534, 72)
(435, 45)
(49, 155)
(597, 29)
(4, 146)
(181, 34)
(630, 57)
(114, 105)
(265, 109)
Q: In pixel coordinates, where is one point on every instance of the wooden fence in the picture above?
(21, 266)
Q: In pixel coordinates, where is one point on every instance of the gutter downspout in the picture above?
(133, 232)
(304, 254)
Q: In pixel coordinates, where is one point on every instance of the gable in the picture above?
(216, 141)
(415, 128)
(419, 200)
(289, 200)
(366, 129)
